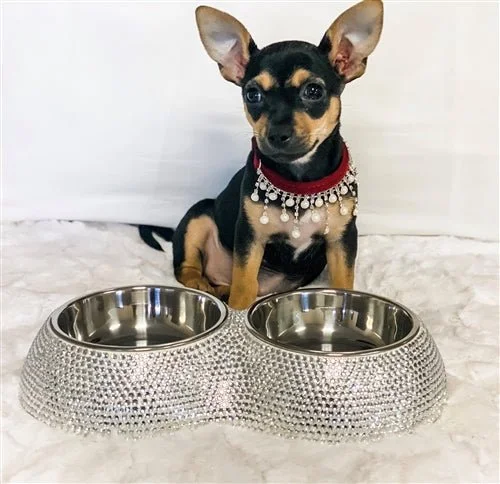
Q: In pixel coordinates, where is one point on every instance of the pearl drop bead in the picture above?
(343, 211)
(263, 186)
(350, 178)
(290, 202)
(284, 217)
(332, 198)
(295, 233)
(255, 197)
(264, 220)
(355, 212)
(343, 190)
(304, 204)
(319, 202)
(273, 196)
(315, 217)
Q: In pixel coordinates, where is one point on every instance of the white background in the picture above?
(114, 112)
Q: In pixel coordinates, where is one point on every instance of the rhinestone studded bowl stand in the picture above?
(220, 378)
(291, 203)
(97, 391)
(348, 399)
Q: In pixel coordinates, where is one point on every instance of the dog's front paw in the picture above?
(238, 305)
(222, 292)
(201, 284)
(241, 300)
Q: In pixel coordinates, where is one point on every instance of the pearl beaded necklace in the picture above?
(306, 201)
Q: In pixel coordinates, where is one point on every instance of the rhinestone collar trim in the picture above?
(294, 196)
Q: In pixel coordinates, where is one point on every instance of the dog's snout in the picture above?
(279, 136)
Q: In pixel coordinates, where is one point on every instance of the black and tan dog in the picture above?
(292, 209)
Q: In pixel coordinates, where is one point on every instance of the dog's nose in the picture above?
(279, 136)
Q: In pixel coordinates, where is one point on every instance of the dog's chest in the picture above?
(302, 234)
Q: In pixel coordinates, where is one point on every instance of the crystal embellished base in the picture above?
(133, 360)
(238, 376)
(341, 399)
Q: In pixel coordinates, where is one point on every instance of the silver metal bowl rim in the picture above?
(417, 325)
(54, 316)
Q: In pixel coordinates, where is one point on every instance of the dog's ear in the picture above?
(353, 37)
(226, 41)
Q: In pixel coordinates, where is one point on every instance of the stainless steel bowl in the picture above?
(330, 322)
(338, 366)
(138, 318)
(134, 360)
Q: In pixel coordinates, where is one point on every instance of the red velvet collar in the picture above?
(302, 188)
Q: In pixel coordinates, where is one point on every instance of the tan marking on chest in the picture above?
(308, 228)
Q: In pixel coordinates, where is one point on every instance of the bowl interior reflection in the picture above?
(329, 321)
(139, 317)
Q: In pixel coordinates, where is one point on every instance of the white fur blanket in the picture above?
(452, 283)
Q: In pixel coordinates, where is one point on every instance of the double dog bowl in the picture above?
(325, 365)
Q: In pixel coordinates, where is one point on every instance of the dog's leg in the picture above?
(248, 252)
(189, 242)
(341, 257)
(340, 273)
(190, 270)
(244, 284)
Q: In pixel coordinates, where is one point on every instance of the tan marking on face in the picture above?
(259, 126)
(311, 130)
(265, 80)
(298, 77)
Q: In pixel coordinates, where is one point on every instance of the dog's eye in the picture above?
(313, 91)
(253, 95)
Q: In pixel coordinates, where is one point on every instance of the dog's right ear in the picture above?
(226, 41)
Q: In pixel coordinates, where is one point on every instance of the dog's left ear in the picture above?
(353, 37)
(226, 41)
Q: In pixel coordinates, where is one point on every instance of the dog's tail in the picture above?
(146, 232)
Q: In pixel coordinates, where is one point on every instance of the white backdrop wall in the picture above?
(114, 112)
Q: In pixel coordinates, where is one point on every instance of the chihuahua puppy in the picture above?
(291, 210)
